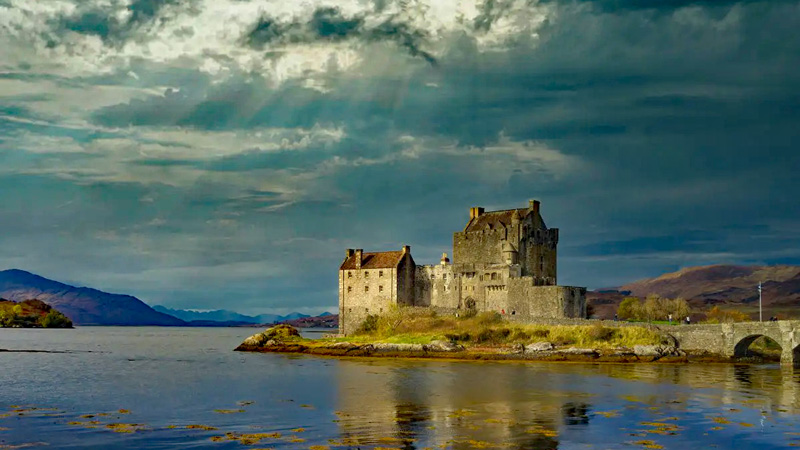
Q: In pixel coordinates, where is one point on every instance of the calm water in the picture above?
(165, 379)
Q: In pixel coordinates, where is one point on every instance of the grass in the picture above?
(409, 326)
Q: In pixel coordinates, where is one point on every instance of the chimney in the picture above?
(475, 212)
(406, 249)
(445, 260)
(359, 256)
(350, 253)
(533, 205)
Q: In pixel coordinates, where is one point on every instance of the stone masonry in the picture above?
(504, 261)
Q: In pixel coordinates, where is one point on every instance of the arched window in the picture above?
(494, 275)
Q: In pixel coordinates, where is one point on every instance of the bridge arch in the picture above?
(741, 349)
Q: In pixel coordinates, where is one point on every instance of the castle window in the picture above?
(349, 274)
(433, 276)
(380, 273)
(366, 288)
(444, 276)
(494, 276)
(366, 274)
(367, 310)
(349, 289)
(349, 309)
(380, 288)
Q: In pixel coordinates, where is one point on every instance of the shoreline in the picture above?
(418, 351)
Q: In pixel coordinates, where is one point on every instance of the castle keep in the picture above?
(503, 261)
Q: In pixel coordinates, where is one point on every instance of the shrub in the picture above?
(369, 325)
(520, 335)
(718, 315)
(490, 335)
(458, 337)
(542, 333)
(598, 332)
(54, 319)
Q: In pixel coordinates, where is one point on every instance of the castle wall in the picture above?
(437, 286)
(364, 292)
(551, 302)
(482, 247)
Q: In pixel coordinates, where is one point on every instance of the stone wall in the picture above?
(437, 286)
(483, 247)
(527, 300)
(732, 339)
(363, 292)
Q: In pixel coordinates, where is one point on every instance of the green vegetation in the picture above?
(412, 326)
(654, 308)
(31, 314)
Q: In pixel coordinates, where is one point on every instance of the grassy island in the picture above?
(31, 314)
(415, 333)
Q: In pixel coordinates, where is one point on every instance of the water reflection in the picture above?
(411, 405)
(483, 406)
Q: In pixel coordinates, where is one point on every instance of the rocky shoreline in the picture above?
(286, 341)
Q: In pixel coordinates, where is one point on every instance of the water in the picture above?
(165, 379)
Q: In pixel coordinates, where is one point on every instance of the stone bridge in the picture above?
(733, 339)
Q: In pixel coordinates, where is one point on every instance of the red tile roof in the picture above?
(374, 260)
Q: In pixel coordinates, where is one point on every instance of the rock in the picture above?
(656, 351)
(517, 348)
(540, 347)
(256, 340)
(443, 346)
(272, 343)
(398, 347)
(579, 351)
(343, 345)
(647, 350)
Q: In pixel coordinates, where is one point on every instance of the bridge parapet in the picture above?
(733, 339)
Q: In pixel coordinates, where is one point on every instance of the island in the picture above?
(31, 314)
(420, 333)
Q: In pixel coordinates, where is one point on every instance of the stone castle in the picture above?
(503, 261)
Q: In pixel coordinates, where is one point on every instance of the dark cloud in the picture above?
(329, 24)
(103, 22)
(612, 6)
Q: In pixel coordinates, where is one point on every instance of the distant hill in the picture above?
(325, 320)
(224, 315)
(706, 286)
(84, 306)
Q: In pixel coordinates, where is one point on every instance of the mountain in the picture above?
(84, 306)
(224, 315)
(220, 315)
(706, 286)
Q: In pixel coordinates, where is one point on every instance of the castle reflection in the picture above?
(457, 405)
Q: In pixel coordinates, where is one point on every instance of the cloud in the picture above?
(207, 149)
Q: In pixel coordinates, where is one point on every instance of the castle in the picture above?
(503, 261)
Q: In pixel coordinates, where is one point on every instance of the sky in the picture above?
(212, 154)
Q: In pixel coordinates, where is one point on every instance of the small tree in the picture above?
(679, 308)
(653, 307)
(629, 309)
